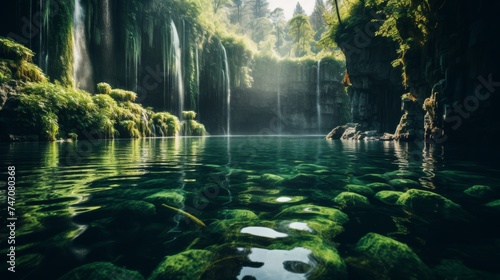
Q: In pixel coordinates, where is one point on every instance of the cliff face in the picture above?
(289, 97)
(454, 76)
(376, 86)
(451, 77)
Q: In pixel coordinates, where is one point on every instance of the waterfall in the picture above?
(179, 82)
(228, 91)
(82, 70)
(318, 95)
(43, 54)
(198, 83)
(133, 60)
(279, 100)
(107, 36)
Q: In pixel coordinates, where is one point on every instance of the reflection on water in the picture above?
(280, 200)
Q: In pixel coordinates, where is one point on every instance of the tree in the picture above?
(299, 10)
(277, 18)
(317, 20)
(218, 4)
(260, 8)
(239, 9)
(301, 33)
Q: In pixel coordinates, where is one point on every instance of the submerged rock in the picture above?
(479, 191)
(172, 198)
(379, 257)
(359, 189)
(494, 204)
(388, 197)
(102, 271)
(304, 210)
(431, 205)
(271, 179)
(381, 178)
(376, 187)
(350, 199)
(402, 184)
(301, 180)
(239, 214)
(189, 264)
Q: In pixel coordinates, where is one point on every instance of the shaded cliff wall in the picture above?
(376, 86)
(455, 75)
(288, 98)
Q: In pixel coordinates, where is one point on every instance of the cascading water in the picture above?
(227, 83)
(278, 123)
(198, 83)
(179, 81)
(82, 70)
(318, 95)
(43, 55)
(107, 34)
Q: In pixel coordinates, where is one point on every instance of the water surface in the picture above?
(271, 205)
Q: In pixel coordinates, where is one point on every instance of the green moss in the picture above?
(102, 271)
(271, 179)
(431, 205)
(359, 189)
(239, 214)
(103, 88)
(350, 199)
(189, 115)
(480, 191)
(388, 197)
(121, 95)
(378, 257)
(311, 210)
(14, 51)
(186, 265)
(171, 198)
(166, 124)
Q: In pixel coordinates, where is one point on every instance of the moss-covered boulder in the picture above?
(186, 265)
(301, 180)
(480, 191)
(271, 179)
(381, 178)
(350, 199)
(431, 205)
(359, 189)
(376, 187)
(403, 184)
(170, 197)
(101, 271)
(132, 209)
(311, 210)
(238, 214)
(388, 197)
(494, 204)
(379, 257)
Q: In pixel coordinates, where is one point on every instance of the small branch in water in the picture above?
(196, 220)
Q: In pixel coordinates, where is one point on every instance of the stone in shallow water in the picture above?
(480, 191)
(172, 198)
(359, 189)
(311, 210)
(376, 187)
(102, 271)
(398, 174)
(301, 180)
(388, 197)
(271, 179)
(379, 257)
(402, 184)
(186, 265)
(239, 214)
(350, 199)
(380, 178)
(494, 204)
(431, 205)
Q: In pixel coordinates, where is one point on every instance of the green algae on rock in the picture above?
(350, 199)
(480, 191)
(359, 189)
(102, 271)
(388, 197)
(402, 184)
(186, 265)
(173, 198)
(376, 187)
(431, 205)
(379, 257)
(311, 210)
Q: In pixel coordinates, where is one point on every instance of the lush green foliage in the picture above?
(103, 88)
(302, 34)
(123, 95)
(15, 63)
(190, 127)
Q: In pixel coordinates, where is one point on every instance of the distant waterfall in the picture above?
(43, 52)
(228, 91)
(107, 36)
(278, 123)
(318, 95)
(179, 82)
(82, 69)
